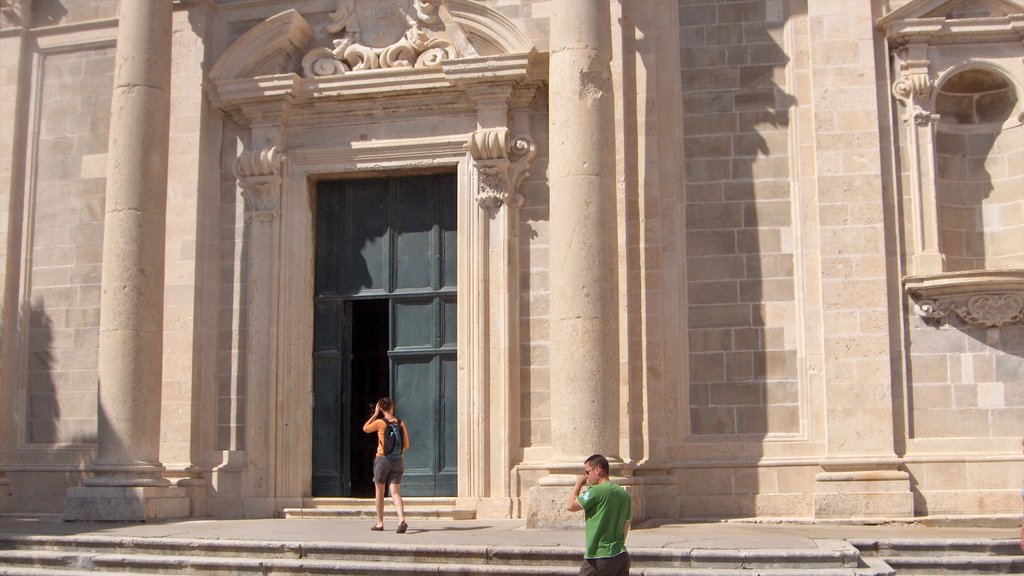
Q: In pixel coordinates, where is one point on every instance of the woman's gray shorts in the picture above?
(387, 471)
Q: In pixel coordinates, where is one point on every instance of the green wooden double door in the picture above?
(384, 325)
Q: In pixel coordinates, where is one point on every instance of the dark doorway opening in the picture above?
(369, 383)
(385, 323)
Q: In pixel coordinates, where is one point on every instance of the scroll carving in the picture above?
(914, 88)
(502, 164)
(988, 310)
(427, 36)
(259, 176)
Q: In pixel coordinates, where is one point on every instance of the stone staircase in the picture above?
(909, 556)
(93, 555)
(415, 508)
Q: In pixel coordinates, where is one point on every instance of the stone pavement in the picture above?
(734, 535)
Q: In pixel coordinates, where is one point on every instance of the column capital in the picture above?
(259, 175)
(501, 164)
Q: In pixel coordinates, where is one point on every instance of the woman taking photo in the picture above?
(387, 469)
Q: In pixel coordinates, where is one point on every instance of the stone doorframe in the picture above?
(277, 174)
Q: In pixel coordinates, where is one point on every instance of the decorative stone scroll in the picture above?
(259, 176)
(988, 310)
(11, 13)
(406, 33)
(502, 164)
(990, 298)
(913, 89)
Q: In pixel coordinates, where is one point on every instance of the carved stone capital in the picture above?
(405, 34)
(259, 176)
(502, 164)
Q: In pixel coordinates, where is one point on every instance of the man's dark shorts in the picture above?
(387, 471)
(614, 566)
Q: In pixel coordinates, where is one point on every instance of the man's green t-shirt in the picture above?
(608, 508)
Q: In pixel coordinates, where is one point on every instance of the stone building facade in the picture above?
(766, 255)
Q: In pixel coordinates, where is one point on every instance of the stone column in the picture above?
(127, 482)
(583, 329)
(584, 316)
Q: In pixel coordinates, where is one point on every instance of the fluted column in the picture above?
(583, 324)
(131, 318)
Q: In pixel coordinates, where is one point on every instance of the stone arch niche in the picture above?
(957, 68)
(379, 86)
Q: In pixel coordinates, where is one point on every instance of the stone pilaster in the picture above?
(259, 175)
(584, 313)
(127, 482)
(861, 475)
(13, 15)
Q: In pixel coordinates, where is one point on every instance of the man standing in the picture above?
(608, 508)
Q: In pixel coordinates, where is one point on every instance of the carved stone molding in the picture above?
(407, 33)
(502, 164)
(988, 298)
(259, 175)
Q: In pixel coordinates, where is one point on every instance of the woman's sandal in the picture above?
(377, 528)
(401, 528)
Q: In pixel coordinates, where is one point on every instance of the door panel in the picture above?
(413, 380)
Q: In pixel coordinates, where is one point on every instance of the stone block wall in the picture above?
(739, 260)
(64, 213)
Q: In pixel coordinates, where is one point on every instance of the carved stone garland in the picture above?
(428, 40)
(502, 164)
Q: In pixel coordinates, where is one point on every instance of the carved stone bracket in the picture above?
(502, 164)
(988, 298)
(259, 176)
(913, 89)
(427, 35)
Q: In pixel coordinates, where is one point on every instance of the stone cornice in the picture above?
(968, 30)
(988, 298)
(249, 99)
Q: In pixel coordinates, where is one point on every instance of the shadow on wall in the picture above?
(744, 382)
(42, 408)
(48, 12)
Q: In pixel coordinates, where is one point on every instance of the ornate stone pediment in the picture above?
(388, 34)
(365, 35)
(935, 21)
(371, 49)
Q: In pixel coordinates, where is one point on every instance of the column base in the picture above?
(863, 494)
(545, 505)
(125, 503)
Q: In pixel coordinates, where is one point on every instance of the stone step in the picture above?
(61, 554)
(971, 564)
(423, 508)
(959, 556)
(945, 547)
